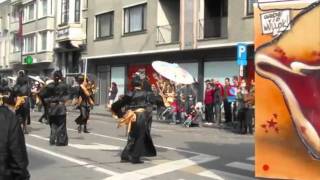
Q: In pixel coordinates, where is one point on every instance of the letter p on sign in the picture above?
(242, 54)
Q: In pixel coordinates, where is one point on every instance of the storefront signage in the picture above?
(62, 32)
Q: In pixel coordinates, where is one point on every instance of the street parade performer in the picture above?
(41, 95)
(85, 102)
(137, 119)
(21, 93)
(5, 94)
(55, 96)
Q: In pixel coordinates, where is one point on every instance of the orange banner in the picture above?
(287, 61)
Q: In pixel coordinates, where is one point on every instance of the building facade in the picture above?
(199, 35)
(118, 37)
(5, 65)
(42, 35)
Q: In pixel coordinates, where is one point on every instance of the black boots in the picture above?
(79, 128)
(85, 130)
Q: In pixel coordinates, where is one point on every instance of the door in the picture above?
(103, 78)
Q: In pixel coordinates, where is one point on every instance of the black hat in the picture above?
(80, 78)
(136, 81)
(57, 74)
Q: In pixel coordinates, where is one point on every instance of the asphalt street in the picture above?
(183, 153)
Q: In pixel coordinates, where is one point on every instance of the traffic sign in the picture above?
(242, 54)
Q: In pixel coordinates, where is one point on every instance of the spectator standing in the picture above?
(249, 111)
(226, 103)
(208, 101)
(217, 101)
(113, 91)
(241, 111)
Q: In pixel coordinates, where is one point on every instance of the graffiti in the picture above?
(288, 56)
(275, 22)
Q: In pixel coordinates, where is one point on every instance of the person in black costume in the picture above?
(83, 105)
(42, 94)
(139, 139)
(13, 152)
(21, 93)
(55, 97)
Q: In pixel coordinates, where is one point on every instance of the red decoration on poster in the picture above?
(271, 124)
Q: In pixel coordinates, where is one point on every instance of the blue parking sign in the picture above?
(241, 54)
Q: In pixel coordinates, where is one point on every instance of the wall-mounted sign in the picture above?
(275, 22)
(62, 32)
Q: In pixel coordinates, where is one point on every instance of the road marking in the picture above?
(222, 175)
(251, 158)
(240, 165)
(121, 139)
(76, 161)
(163, 168)
(94, 146)
(210, 174)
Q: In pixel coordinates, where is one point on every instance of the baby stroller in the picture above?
(194, 118)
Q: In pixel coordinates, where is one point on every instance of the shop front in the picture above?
(201, 64)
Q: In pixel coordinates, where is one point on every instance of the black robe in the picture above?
(139, 139)
(55, 96)
(13, 152)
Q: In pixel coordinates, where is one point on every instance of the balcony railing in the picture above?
(167, 34)
(213, 28)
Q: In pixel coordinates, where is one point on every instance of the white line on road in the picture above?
(121, 139)
(76, 161)
(163, 168)
(159, 146)
(222, 175)
(240, 165)
(94, 146)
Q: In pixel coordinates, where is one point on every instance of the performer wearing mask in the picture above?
(55, 97)
(84, 103)
(21, 93)
(136, 117)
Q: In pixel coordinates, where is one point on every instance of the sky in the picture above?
(1, 1)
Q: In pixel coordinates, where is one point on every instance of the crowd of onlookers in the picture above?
(230, 104)
(236, 98)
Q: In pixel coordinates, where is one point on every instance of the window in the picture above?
(135, 18)
(43, 40)
(64, 11)
(77, 11)
(16, 43)
(44, 4)
(104, 25)
(29, 43)
(29, 12)
(250, 7)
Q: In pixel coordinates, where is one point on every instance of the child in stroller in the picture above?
(194, 117)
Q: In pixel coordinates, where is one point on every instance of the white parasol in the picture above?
(36, 78)
(173, 72)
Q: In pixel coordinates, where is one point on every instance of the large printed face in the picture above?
(292, 62)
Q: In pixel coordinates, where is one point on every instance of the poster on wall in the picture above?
(143, 68)
(287, 62)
